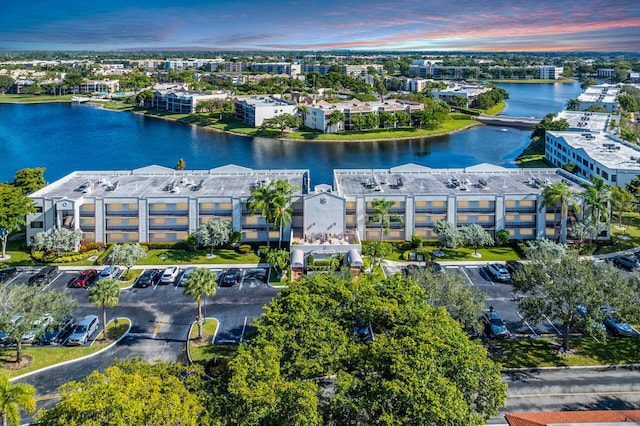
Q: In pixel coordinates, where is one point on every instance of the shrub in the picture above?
(264, 250)
(177, 245)
(91, 245)
(311, 260)
(502, 237)
(64, 257)
(244, 249)
(191, 242)
(404, 245)
(100, 260)
(416, 241)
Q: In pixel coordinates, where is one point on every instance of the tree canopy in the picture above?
(379, 346)
(213, 233)
(126, 254)
(30, 180)
(14, 207)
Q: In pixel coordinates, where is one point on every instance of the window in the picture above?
(182, 206)
(605, 175)
(526, 217)
(419, 204)
(38, 209)
(613, 178)
(526, 203)
(483, 203)
(437, 204)
(206, 206)
(510, 203)
(463, 204)
(510, 217)
(37, 224)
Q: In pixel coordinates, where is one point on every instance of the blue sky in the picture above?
(454, 25)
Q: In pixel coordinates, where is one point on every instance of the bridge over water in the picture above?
(503, 121)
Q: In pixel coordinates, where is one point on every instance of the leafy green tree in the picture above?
(73, 81)
(448, 235)
(131, 392)
(358, 121)
(14, 207)
(5, 83)
(213, 233)
(377, 345)
(572, 291)
(377, 249)
(588, 82)
(403, 119)
(202, 282)
(628, 102)
(104, 293)
(458, 101)
(13, 398)
(560, 194)
(126, 254)
(621, 201)
(279, 259)
(181, 164)
(387, 119)
(336, 117)
(543, 248)
(383, 215)
(30, 180)
(144, 98)
(281, 122)
(502, 237)
(33, 306)
(60, 240)
(227, 110)
(372, 121)
(475, 236)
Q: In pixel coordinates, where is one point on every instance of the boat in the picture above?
(504, 130)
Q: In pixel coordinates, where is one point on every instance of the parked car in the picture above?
(7, 273)
(169, 275)
(5, 334)
(514, 266)
(83, 331)
(148, 278)
(37, 330)
(185, 276)
(630, 263)
(596, 326)
(111, 272)
(493, 325)
(616, 326)
(409, 270)
(230, 277)
(58, 331)
(499, 272)
(44, 276)
(435, 268)
(85, 279)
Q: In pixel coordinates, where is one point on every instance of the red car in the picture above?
(85, 279)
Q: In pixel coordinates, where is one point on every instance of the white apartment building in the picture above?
(287, 68)
(594, 122)
(93, 86)
(469, 91)
(548, 72)
(360, 70)
(318, 115)
(595, 154)
(603, 95)
(253, 110)
(415, 85)
(319, 68)
(606, 72)
(182, 101)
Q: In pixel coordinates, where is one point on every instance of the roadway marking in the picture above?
(47, 397)
(527, 324)
(466, 275)
(156, 330)
(554, 327)
(50, 282)
(241, 280)
(244, 326)
(575, 394)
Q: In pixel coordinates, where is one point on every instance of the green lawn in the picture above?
(202, 351)
(177, 257)
(497, 109)
(631, 221)
(29, 99)
(520, 353)
(44, 356)
(19, 256)
(465, 253)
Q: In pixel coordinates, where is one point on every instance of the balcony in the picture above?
(122, 213)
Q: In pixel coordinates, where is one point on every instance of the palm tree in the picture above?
(261, 200)
(303, 110)
(596, 200)
(573, 104)
(282, 215)
(13, 397)
(104, 293)
(560, 193)
(201, 283)
(381, 208)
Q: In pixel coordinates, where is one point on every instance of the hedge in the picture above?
(103, 257)
(65, 257)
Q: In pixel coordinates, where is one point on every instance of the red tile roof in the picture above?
(573, 417)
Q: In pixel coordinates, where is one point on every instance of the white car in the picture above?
(111, 272)
(185, 276)
(39, 327)
(499, 272)
(169, 275)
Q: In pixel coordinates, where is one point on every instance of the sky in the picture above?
(431, 25)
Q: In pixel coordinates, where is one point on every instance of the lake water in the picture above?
(66, 137)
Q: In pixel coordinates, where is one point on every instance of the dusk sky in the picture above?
(454, 25)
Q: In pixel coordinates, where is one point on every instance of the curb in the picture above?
(213, 338)
(77, 359)
(572, 367)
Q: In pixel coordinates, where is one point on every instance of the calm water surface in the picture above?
(65, 137)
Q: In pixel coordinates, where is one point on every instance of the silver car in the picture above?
(84, 330)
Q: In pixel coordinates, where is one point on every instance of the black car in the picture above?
(44, 276)
(626, 262)
(409, 270)
(230, 277)
(514, 266)
(7, 273)
(435, 268)
(58, 331)
(148, 278)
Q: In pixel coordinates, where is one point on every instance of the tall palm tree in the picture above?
(381, 208)
(282, 215)
(104, 293)
(560, 193)
(303, 110)
(597, 198)
(13, 397)
(573, 104)
(201, 283)
(261, 200)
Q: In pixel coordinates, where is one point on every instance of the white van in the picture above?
(84, 330)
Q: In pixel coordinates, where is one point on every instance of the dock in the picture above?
(79, 100)
(504, 121)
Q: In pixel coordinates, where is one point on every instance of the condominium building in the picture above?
(440, 72)
(594, 122)
(105, 86)
(319, 113)
(321, 69)
(494, 197)
(549, 72)
(595, 154)
(361, 70)
(253, 110)
(606, 72)
(468, 91)
(277, 68)
(603, 95)
(182, 101)
(158, 204)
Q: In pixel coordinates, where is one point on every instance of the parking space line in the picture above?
(241, 280)
(527, 324)
(244, 326)
(554, 327)
(156, 330)
(51, 282)
(466, 275)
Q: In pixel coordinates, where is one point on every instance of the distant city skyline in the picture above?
(457, 25)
